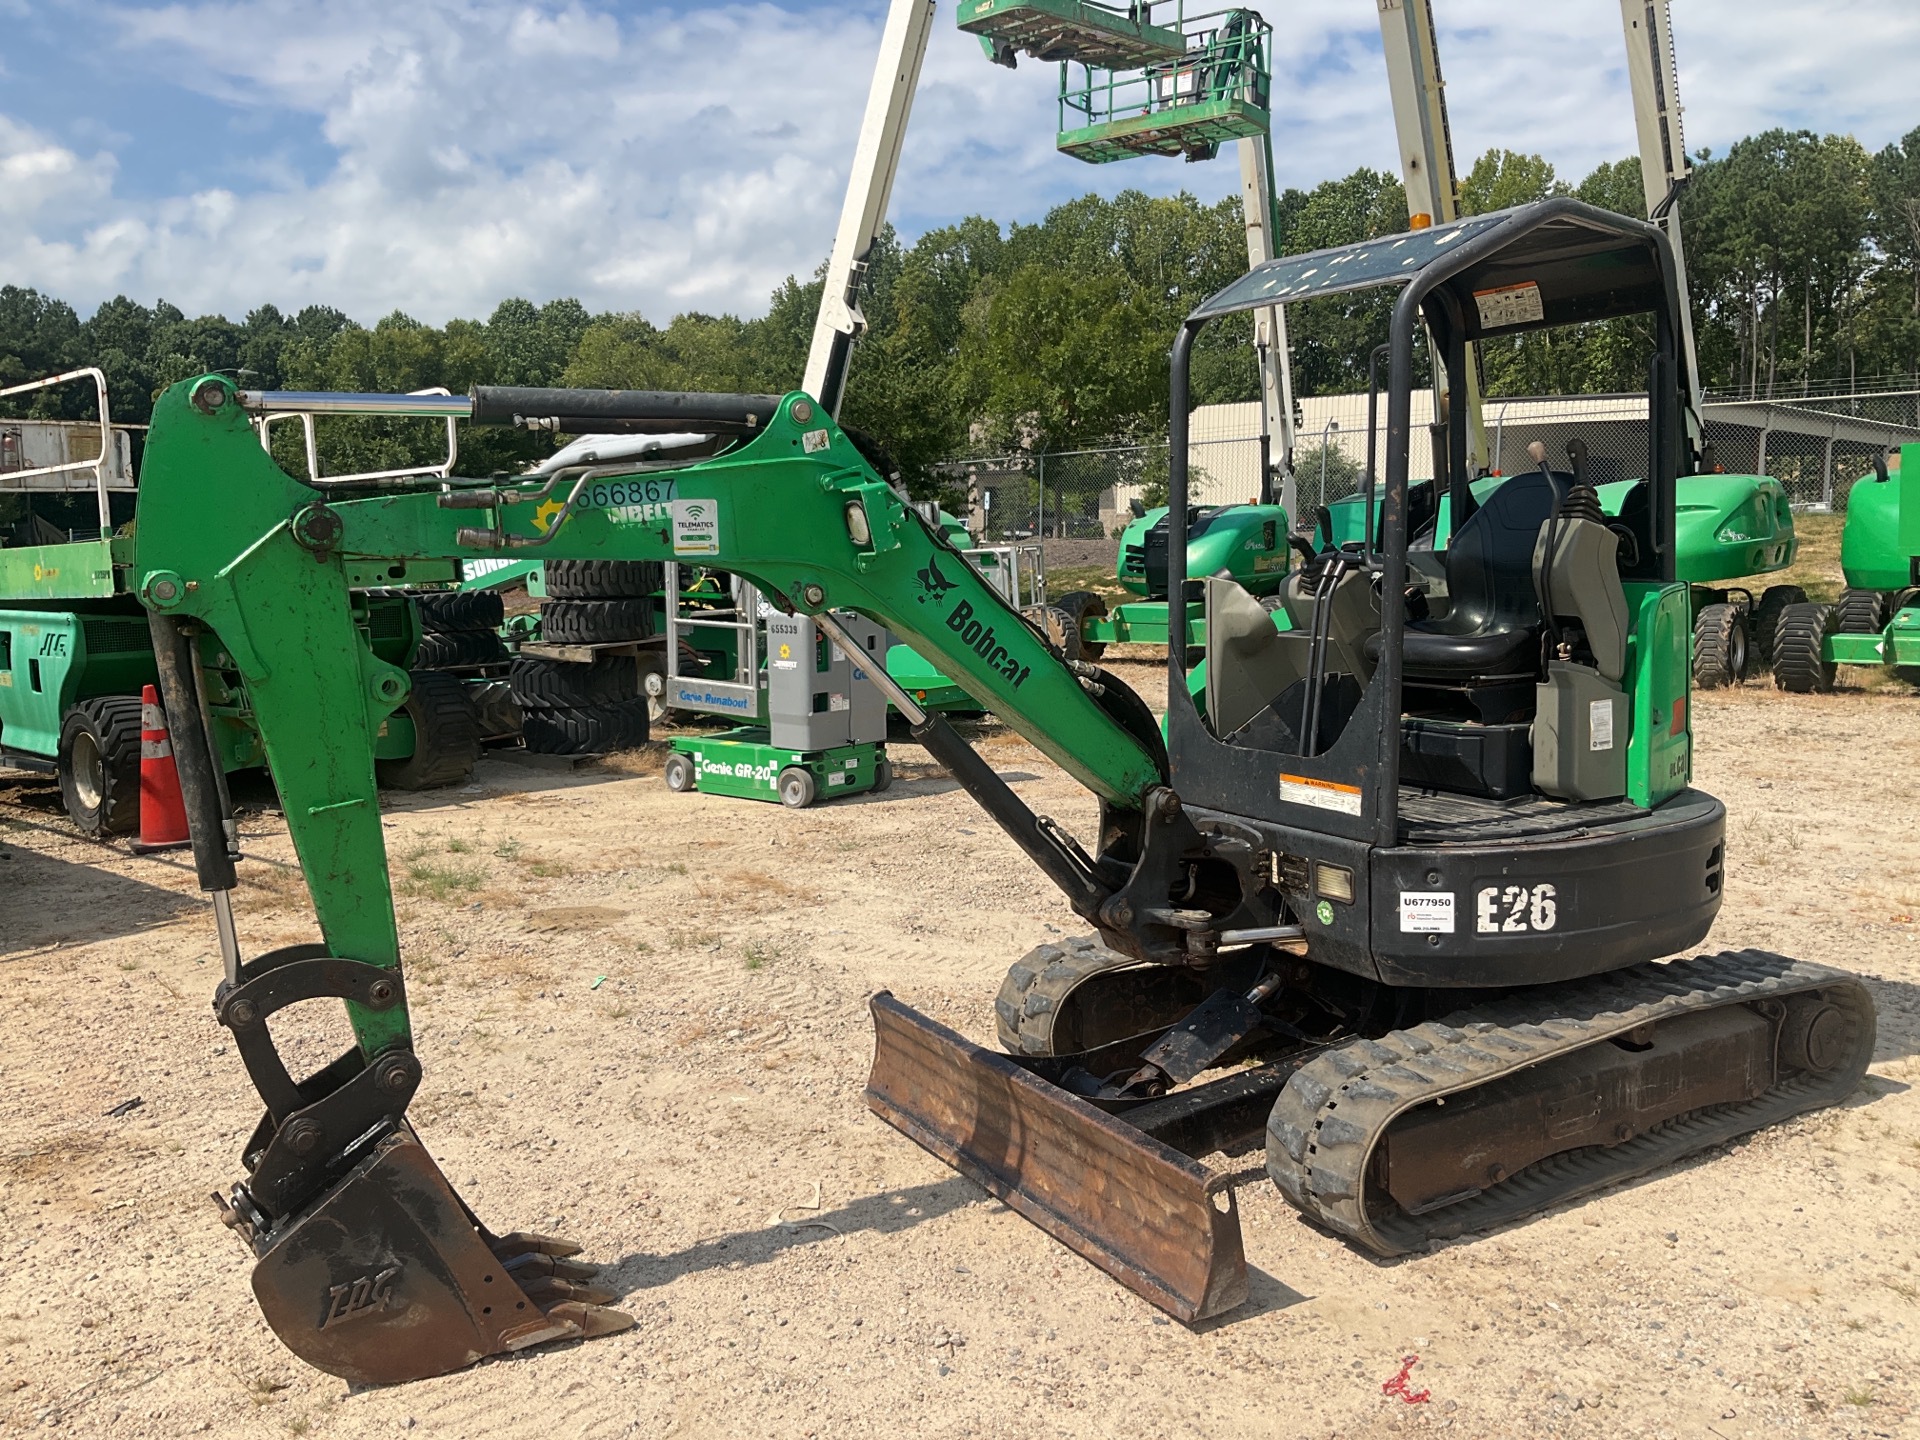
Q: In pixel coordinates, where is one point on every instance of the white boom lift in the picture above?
(876, 161)
(1427, 171)
(1655, 78)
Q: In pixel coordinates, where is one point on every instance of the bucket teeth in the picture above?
(525, 1242)
(388, 1277)
(546, 1290)
(525, 1267)
(592, 1321)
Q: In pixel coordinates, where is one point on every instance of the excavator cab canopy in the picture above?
(1399, 719)
(1555, 263)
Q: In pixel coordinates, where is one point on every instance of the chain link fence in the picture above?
(1816, 446)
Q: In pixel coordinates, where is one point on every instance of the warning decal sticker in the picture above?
(1509, 305)
(1321, 794)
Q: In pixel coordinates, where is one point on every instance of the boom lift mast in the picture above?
(1664, 170)
(876, 161)
(877, 158)
(1427, 171)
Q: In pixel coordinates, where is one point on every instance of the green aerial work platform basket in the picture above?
(1218, 89)
(1118, 37)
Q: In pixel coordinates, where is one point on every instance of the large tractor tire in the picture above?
(1799, 644)
(1765, 620)
(586, 730)
(458, 650)
(566, 685)
(595, 622)
(446, 736)
(100, 765)
(1059, 628)
(1719, 646)
(602, 579)
(456, 611)
(1082, 605)
(1862, 612)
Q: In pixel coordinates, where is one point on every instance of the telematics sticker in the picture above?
(696, 527)
(1321, 794)
(1509, 305)
(1426, 912)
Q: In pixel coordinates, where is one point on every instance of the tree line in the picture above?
(1803, 256)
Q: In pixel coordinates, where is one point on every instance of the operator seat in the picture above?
(1484, 652)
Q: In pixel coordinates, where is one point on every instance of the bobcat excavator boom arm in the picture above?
(262, 568)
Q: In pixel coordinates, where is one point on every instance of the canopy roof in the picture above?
(1555, 262)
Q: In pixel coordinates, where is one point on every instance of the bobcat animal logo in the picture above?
(360, 1297)
(933, 584)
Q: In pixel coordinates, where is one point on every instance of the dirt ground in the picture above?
(643, 1025)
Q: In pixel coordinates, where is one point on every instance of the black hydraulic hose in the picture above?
(1330, 577)
(193, 754)
(1083, 891)
(622, 412)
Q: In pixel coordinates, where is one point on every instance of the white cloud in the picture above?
(484, 148)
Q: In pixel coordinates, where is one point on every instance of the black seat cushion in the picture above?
(1492, 625)
(1482, 652)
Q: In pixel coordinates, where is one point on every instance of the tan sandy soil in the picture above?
(681, 1114)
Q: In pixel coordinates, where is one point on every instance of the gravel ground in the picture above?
(642, 1021)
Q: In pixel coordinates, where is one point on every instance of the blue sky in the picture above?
(437, 155)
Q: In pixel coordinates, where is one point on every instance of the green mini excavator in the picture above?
(1386, 899)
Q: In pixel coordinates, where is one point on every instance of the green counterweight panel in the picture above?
(82, 570)
(1882, 535)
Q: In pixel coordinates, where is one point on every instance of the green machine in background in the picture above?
(1245, 543)
(826, 723)
(75, 652)
(1877, 621)
(1726, 527)
(75, 655)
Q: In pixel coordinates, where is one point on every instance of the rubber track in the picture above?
(1328, 1122)
(1038, 985)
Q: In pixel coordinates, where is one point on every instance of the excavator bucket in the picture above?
(387, 1277)
(1140, 1210)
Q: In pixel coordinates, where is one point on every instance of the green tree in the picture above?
(1501, 179)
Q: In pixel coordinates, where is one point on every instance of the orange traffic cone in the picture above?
(163, 810)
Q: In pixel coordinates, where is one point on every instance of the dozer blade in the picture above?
(1142, 1212)
(387, 1277)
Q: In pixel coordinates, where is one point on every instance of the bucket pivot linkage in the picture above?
(370, 1267)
